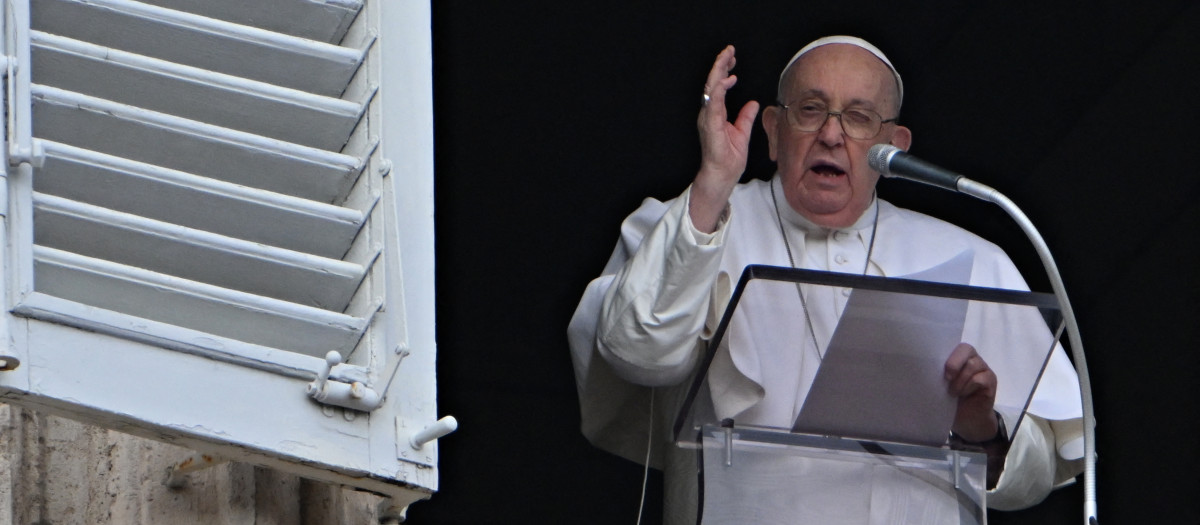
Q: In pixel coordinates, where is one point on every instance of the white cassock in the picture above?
(643, 324)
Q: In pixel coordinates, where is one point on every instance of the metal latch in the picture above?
(354, 395)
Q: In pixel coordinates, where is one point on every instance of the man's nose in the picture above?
(831, 132)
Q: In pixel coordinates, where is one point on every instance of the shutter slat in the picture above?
(322, 20)
(202, 42)
(193, 147)
(195, 255)
(212, 309)
(206, 204)
(213, 98)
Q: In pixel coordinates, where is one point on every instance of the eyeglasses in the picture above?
(857, 123)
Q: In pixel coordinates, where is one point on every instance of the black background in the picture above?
(555, 119)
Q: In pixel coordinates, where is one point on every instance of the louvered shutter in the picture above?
(206, 199)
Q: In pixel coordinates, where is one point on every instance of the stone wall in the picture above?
(57, 471)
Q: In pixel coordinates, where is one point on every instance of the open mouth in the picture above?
(827, 169)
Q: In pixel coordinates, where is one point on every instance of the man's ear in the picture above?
(770, 123)
(901, 138)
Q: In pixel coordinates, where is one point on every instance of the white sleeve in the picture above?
(1032, 467)
(656, 310)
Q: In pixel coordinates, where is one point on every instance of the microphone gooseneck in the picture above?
(895, 162)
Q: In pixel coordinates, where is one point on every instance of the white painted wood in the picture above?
(202, 203)
(404, 60)
(201, 361)
(194, 147)
(197, 94)
(202, 42)
(195, 255)
(19, 221)
(221, 311)
(245, 416)
(17, 97)
(322, 20)
(267, 359)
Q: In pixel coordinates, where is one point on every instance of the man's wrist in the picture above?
(707, 213)
(1000, 436)
(995, 447)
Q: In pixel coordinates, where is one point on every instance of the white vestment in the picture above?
(643, 324)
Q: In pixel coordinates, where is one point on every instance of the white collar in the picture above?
(794, 218)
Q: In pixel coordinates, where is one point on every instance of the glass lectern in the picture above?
(861, 434)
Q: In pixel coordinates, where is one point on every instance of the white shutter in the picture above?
(199, 212)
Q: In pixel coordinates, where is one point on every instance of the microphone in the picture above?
(895, 162)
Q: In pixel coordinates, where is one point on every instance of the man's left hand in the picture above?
(972, 382)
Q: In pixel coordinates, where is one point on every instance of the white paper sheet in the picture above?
(882, 375)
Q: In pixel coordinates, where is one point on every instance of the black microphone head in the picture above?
(879, 156)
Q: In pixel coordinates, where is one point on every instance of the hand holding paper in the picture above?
(973, 384)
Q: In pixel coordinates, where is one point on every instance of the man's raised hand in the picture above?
(723, 145)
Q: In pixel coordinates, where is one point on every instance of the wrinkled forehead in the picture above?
(848, 40)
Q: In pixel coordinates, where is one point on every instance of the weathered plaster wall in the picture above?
(57, 471)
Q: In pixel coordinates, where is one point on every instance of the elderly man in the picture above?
(643, 324)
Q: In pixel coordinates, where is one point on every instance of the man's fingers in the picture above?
(746, 117)
(714, 108)
(972, 382)
(958, 359)
(722, 65)
(978, 384)
(719, 80)
(967, 373)
(723, 144)
(969, 368)
(970, 372)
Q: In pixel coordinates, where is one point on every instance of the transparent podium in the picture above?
(861, 434)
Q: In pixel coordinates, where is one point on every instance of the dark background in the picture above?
(555, 119)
